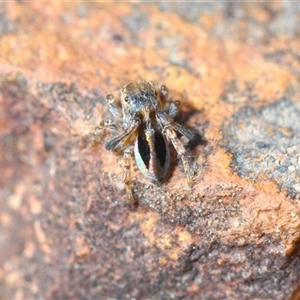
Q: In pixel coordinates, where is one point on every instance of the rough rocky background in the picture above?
(66, 228)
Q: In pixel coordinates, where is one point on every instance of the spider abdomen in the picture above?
(152, 154)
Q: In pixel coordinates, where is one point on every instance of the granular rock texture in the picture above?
(66, 228)
(264, 143)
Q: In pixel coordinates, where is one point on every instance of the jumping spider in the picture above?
(144, 127)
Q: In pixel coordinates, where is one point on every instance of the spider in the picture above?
(144, 128)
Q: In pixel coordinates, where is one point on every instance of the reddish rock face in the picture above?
(66, 228)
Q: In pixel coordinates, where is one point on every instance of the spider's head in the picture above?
(139, 99)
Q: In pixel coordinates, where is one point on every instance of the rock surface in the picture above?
(66, 229)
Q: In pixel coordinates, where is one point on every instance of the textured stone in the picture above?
(66, 228)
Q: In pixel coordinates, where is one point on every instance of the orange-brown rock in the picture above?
(66, 228)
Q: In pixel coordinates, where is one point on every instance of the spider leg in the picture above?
(172, 109)
(120, 140)
(169, 129)
(113, 107)
(164, 121)
(163, 94)
(103, 127)
(106, 124)
(186, 133)
(127, 174)
(181, 151)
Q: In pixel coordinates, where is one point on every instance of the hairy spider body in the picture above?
(144, 127)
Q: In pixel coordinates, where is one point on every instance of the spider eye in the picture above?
(126, 99)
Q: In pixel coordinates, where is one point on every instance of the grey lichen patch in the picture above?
(189, 10)
(265, 144)
(7, 25)
(136, 21)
